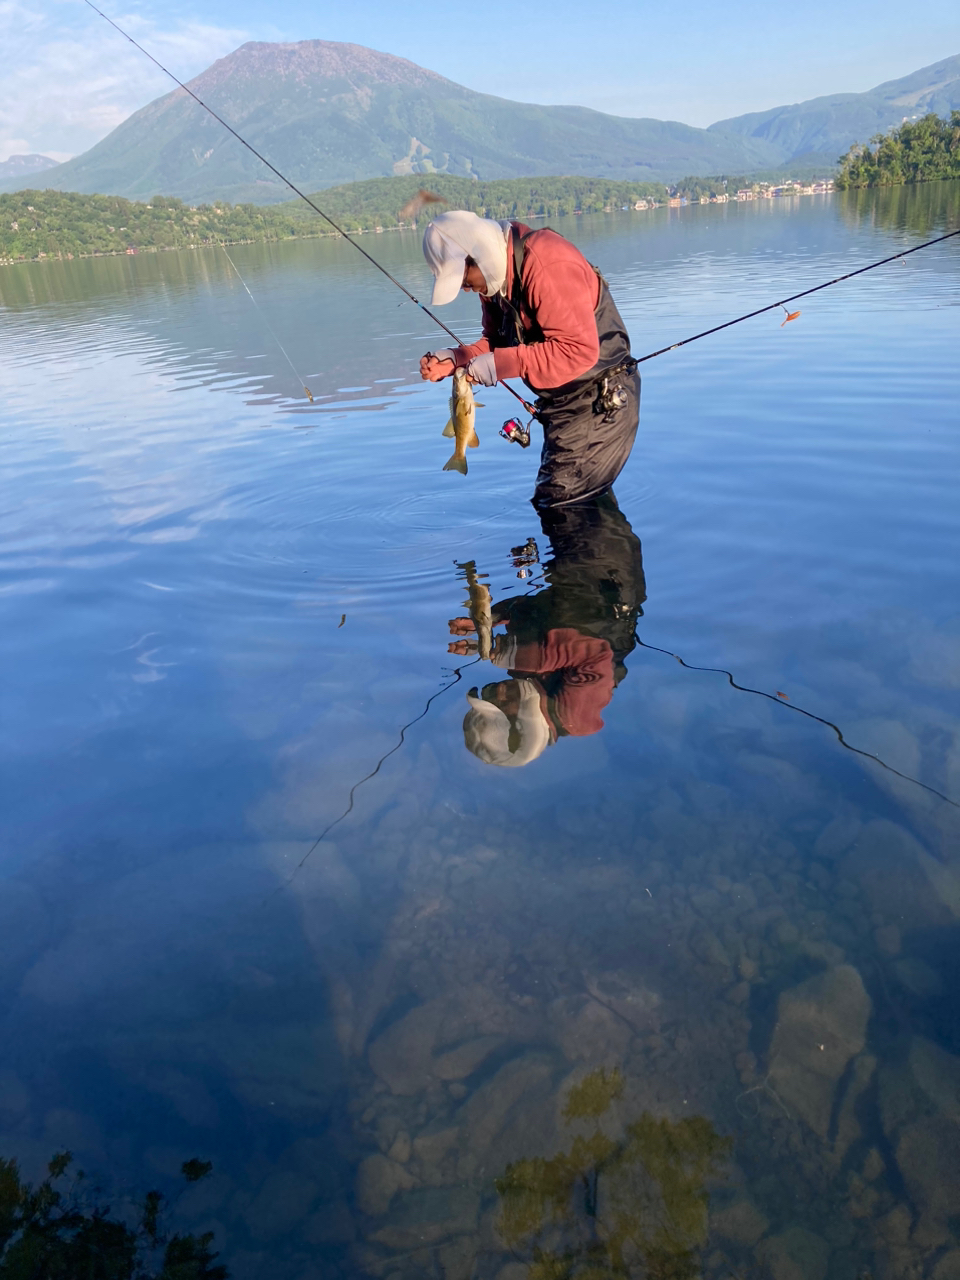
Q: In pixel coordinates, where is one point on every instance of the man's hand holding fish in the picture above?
(549, 319)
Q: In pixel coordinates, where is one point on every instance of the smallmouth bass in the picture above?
(462, 422)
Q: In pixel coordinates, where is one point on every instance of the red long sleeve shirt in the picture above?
(587, 666)
(562, 290)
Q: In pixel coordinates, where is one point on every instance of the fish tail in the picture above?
(456, 462)
(448, 430)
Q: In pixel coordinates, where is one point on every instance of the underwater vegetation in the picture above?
(613, 1207)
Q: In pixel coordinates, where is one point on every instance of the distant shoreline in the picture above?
(52, 226)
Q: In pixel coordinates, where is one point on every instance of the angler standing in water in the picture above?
(549, 319)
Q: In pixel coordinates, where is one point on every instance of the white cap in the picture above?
(447, 262)
(456, 235)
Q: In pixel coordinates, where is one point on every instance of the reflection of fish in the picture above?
(479, 603)
(461, 425)
(411, 210)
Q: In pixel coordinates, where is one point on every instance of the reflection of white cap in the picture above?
(456, 235)
(488, 732)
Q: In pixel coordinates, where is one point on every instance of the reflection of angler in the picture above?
(564, 647)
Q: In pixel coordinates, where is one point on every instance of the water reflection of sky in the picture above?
(184, 713)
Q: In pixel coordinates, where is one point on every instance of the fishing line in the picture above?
(286, 181)
(790, 706)
(374, 771)
(307, 391)
(793, 297)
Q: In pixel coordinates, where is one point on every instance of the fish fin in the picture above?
(478, 404)
(473, 441)
(454, 463)
(448, 430)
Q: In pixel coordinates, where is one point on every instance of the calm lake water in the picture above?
(680, 996)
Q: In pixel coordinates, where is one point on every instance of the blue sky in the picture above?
(68, 79)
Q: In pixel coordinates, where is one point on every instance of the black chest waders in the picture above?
(589, 425)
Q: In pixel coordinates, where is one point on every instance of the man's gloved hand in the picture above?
(483, 369)
(436, 365)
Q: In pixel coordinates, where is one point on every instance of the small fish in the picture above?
(343, 618)
(462, 422)
(783, 696)
(309, 394)
(479, 602)
(413, 208)
(791, 315)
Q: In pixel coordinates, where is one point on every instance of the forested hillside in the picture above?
(63, 224)
(919, 151)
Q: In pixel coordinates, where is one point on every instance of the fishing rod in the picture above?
(293, 187)
(793, 297)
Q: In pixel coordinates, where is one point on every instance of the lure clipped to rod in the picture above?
(791, 315)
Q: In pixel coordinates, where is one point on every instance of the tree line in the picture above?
(917, 151)
(63, 224)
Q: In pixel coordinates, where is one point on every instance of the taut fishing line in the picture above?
(306, 389)
(294, 188)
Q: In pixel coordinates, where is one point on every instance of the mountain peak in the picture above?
(311, 61)
(326, 113)
(22, 165)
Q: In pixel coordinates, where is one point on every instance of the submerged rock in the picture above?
(741, 1223)
(796, 1254)
(378, 1181)
(431, 1147)
(920, 1111)
(402, 1055)
(588, 1031)
(435, 1041)
(458, 1063)
(283, 1200)
(626, 997)
(821, 1025)
(507, 1118)
(893, 871)
(400, 1148)
(706, 946)
(917, 978)
(848, 1124)
(948, 1268)
(427, 1216)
